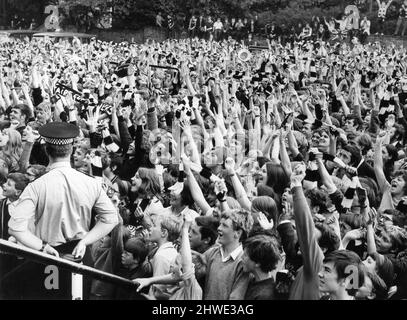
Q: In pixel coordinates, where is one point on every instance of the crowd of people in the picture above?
(281, 176)
(354, 23)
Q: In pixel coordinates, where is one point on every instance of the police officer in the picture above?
(55, 212)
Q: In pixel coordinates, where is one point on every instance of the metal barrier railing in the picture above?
(75, 268)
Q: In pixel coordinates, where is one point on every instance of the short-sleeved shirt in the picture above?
(162, 262)
(58, 206)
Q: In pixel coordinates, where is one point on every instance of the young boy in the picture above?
(341, 276)
(12, 188)
(165, 231)
(260, 258)
(132, 259)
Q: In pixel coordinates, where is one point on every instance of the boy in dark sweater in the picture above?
(260, 259)
(225, 277)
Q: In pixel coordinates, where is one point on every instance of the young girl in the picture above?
(11, 148)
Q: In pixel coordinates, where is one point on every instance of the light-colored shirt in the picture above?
(59, 205)
(233, 255)
(365, 25)
(162, 262)
(218, 25)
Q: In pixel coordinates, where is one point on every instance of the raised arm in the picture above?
(186, 129)
(27, 97)
(285, 159)
(4, 90)
(240, 192)
(378, 165)
(374, 119)
(345, 107)
(196, 191)
(311, 252)
(186, 255)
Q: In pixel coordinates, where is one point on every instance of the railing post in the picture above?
(77, 286)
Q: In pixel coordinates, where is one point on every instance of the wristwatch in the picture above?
(44, 244)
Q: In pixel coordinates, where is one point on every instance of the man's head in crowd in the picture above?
(350, 155)
(14, 186)
(21, 113)
(327, 238)
(165, 229)
(261, 254)
(203, 233)
(342, 274)
(351, 123)
(234, 227)
(318, 201)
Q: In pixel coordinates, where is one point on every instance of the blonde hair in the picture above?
(14, 147)
(241, 220)
(172, 225)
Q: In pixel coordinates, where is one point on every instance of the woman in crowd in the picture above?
(11, 149)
